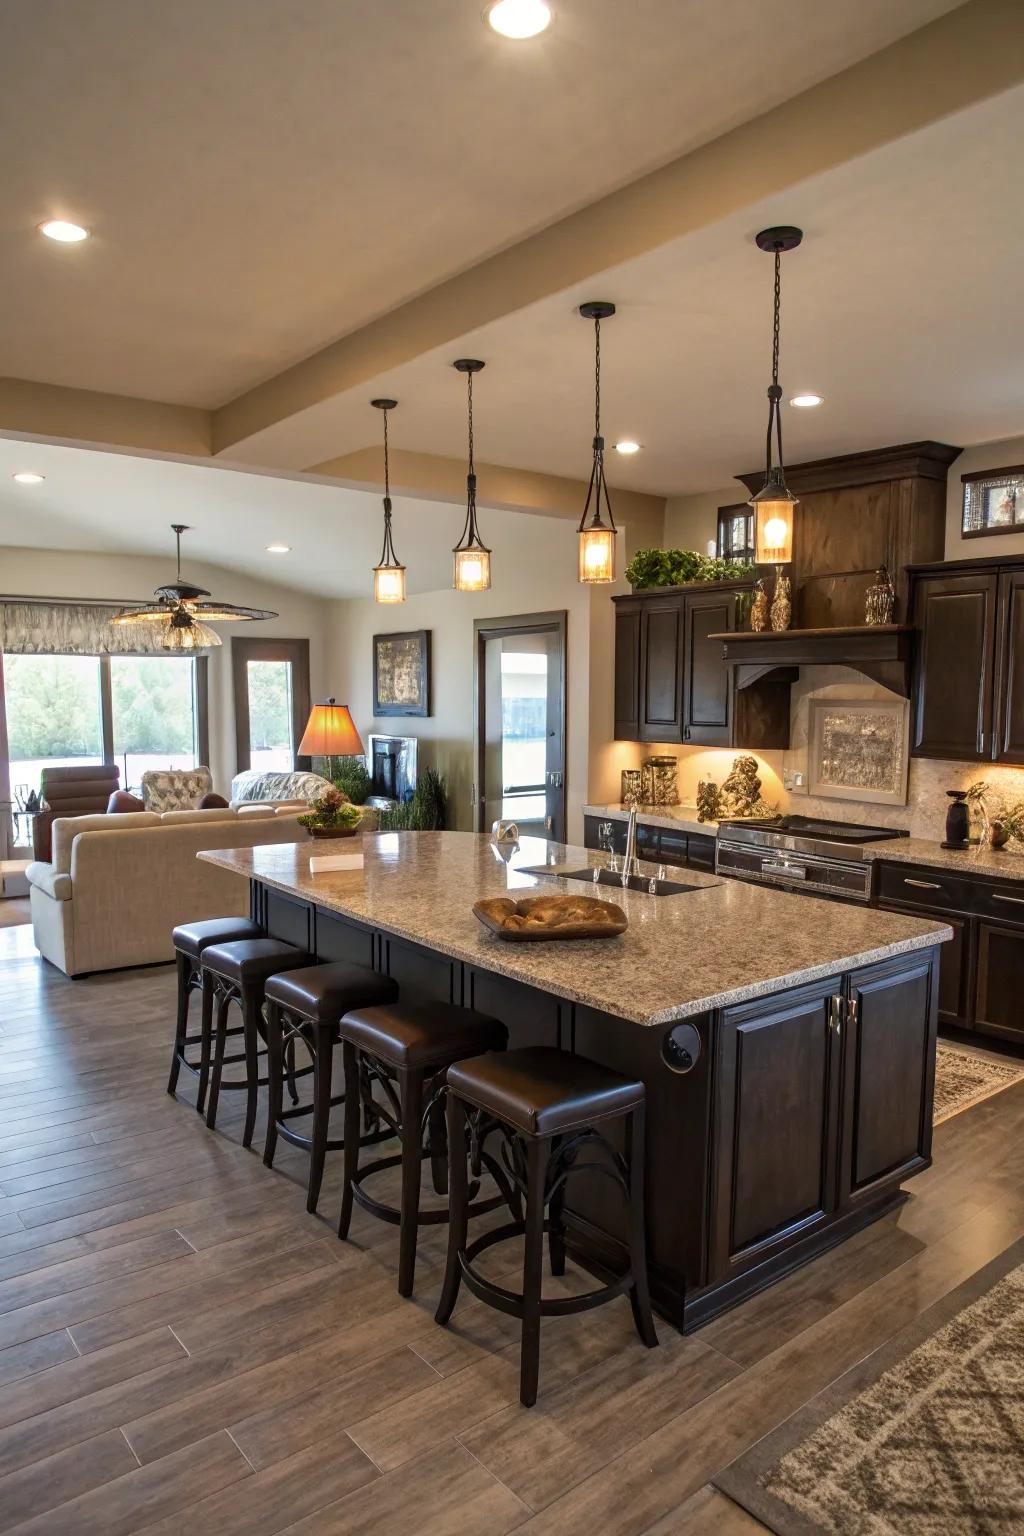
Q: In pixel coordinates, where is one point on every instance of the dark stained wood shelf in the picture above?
(882, 652)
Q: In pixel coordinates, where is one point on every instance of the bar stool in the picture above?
(404, 1050)
(547, 1104)
(237, 973)
(307, 1005)
(189, 940)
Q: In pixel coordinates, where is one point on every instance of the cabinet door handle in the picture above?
(836, 1015)
(924, 885)
(1017, 901)
(851, 1011)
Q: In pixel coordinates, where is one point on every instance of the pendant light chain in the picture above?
(469, 387)
(387, 554)
(774, 392)
(597, 379)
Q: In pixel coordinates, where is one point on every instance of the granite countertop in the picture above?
(724, 942)
(998, 863)
(683, 818)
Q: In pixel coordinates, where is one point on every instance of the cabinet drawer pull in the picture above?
(1017, 901)
(836, 1014)
(923, 885)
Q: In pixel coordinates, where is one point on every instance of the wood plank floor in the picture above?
(180, 1341)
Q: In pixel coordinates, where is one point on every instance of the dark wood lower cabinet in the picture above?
(659, 845)
(999, 993)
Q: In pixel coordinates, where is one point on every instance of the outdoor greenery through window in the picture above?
(153, 702)
(271, 746)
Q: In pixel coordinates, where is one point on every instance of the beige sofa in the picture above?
(118, 884)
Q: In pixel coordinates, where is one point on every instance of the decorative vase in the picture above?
(660, 786)
(759, 609)
(998, 835)
(632, 786)
(332, 831)
(782, 604)
(958, 820)
(880, 600)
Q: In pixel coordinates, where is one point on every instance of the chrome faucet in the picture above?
(629, 863)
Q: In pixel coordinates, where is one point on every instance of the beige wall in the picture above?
(125, 578)
(691, 522)
(534, 571)
(1004, 454)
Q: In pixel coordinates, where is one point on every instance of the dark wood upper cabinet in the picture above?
(672, 683)
(627, 671)
(661, 670)
(1009, 721)
(707, 683)
(954, 675)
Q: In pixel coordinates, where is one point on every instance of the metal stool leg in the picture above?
(323, 1060)
(639, 1295)
(350, 1058)
(458, 1203)
(184, 969)
(275, 1083)
(537, 1151)
(411, 1097)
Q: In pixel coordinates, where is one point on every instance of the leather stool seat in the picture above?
(193, 938)
(419, 1036)
(322, 993)
(248, 961)
(542, 1091)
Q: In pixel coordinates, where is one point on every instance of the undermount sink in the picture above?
(595, 875)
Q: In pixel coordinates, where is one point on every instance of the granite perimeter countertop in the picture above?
(991, 863)
(723, 942)
(681, 818)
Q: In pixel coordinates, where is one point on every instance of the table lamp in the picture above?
(330, 733)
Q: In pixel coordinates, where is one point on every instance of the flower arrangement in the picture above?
(997, 823)
(673, 567)
(331, 814)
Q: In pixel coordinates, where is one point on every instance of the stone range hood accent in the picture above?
(883, 652)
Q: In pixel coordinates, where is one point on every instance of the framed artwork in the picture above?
(401, 673)
(858, 749)
(993, 502)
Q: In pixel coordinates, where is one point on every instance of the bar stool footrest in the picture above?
(427, 1218)
(512, 1301)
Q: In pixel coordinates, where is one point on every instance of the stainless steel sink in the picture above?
(649, 884)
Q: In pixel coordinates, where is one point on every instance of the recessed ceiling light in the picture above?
(29, 477)
(806, 402)
(60, 229)
(279, 549)
(627, 445)
(519, 18)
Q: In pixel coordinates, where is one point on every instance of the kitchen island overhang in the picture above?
(787, 1044)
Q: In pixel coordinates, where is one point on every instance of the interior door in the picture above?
(520, 724)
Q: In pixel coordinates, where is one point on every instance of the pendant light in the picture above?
(597, 537)
(472, 557)
(388, 573)
(773, 505)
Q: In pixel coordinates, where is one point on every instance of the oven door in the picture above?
(794, 871)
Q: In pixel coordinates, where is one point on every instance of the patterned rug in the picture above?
(923, 1438)
(963, 1078)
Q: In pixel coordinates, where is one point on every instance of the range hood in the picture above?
(882, 652)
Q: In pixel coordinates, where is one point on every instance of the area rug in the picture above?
(923, 1438)
(14, 911)
(963, 1078)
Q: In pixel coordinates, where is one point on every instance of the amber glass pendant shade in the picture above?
(597, 555)
(389, 583)
(472, 570)
(773, 524)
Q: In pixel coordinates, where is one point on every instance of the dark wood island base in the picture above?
(775, 1128)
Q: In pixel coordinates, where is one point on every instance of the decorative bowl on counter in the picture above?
(539, 918)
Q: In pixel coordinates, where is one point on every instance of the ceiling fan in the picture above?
(187, 618)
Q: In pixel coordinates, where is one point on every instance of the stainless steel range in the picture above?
(803, 853)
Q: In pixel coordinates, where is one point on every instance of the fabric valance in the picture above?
(74, 629)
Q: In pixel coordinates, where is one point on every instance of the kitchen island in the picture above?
(787, 1044)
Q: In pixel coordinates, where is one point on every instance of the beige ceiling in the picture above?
(262, 178)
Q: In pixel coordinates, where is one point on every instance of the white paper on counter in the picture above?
(322, 864)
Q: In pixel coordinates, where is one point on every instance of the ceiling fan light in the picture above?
(190, 635)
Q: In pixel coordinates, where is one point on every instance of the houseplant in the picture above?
(331, 814)
(673, 567)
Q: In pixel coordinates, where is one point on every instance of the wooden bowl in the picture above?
(541, 919)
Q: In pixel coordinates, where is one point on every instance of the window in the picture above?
(54, 716)
(524, 732)
(271, 742)
(153, 706)
(736, 533)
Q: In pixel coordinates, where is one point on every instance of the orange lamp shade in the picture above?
(330, 732)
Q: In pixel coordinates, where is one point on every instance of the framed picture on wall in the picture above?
(993, 502)
(858, 749)
(401, 673)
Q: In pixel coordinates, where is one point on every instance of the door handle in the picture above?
(549, 823)
(851, 1011)
(835, 1020)
(1016, 901)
